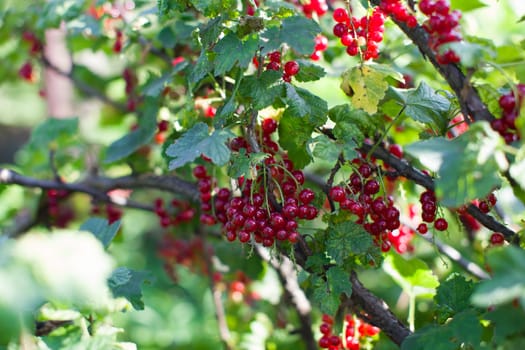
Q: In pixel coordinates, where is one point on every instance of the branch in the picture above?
(288, 277)
(467, 95)
(85, 88)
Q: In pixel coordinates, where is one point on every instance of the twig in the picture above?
(85, 88)
(288, 277)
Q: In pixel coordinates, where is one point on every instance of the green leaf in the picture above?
(322, 296)
(339, 281)
(413, 275)
(324, 148)
(317, 261)
(347, 239)
(299, 33)
(302, 103)
(51, 129)
(423, 105)
(467, 166)
(507, 321)
(262, 91)
(352, 125)
(210, 31)
(366, 85)
(127, 283)
(200, 69)
(99, 227)
(231, 50)
(197, 141)
(155, 86)
(309, 71)
(294, 136)
(463, 330)
(213, 8)
(467, 5)
(430, 337)
(244, 164)
(453, 296)
(129, 143)
(508, 280)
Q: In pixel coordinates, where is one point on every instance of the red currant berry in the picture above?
(441, 224)
(291, 68)
(497, 238)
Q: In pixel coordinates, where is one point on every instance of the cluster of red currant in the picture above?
(188, 253)
(290, 68)
(442, 28)
(377, 214)
(131, 81)
(252, 213)
(360, 35)
(399, 11)
(429, 210)
(179, 212)
(356, 332)
(321, 44)
(506, 125)
(26, 71)
(61, 215)
(309, 7)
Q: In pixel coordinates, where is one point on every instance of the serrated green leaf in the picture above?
(317, 261)
(339, 281)
(129, 143)
(413, 275)
(453, 296)
(324, 148)
(508, 280)
(243, 164)
(197, 141)
(346, 240)
(263, 90)
(155, 86)
(213, 8)
(423, 105)
(302, 103)
(430, 337)
(467, 166)
(294, 136)
(210, 31)
(127, 283)
(309, 71)
(322, 296)
(366, 85)
(101, 229)
(467, 5)
(201, 68)
(231, 50)
(352, 125)
(507, 321)
(463, 330)
(299, 33)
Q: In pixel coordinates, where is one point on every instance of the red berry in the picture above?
(269, 125)
(422, 228)
(441, 224)
(340, 15)
(275, 56)
(340, 29)
(306, 196)
(291, 68)
(497, 238)
(200, 172)
(396, 150)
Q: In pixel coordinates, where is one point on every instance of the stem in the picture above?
(412, 310)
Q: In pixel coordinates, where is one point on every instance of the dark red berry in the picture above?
(291, 68)
(441, 224)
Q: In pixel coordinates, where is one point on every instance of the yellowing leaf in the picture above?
(366, 85)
